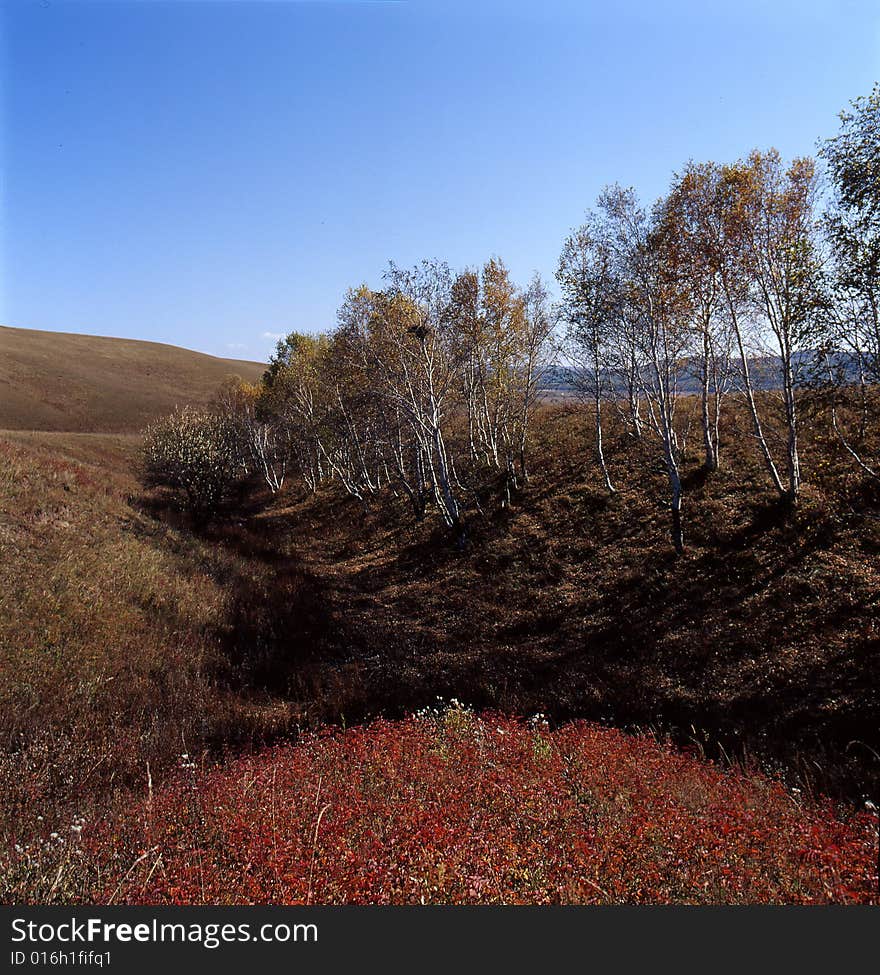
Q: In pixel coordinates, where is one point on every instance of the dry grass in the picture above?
(112, 629)
(59, 381)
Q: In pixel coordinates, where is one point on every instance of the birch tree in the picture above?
(591, 308)
(504, 351)
(411, 358)
(780, 259)
(537, 351)
(263, 443)
(627, 317)
(852, 228)
(724, 225)
(698, 259)
(424, 379)
(295, 394)
(655, 310)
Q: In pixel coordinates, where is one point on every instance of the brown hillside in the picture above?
(85, 383)
(761, 641)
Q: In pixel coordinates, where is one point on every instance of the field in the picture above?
(149, 664)
(84, 383)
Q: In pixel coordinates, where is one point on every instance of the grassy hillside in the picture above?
(84, 383)
(113, 626)
(129, 638)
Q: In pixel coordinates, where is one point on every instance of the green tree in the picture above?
(852, 226)
(287, 350)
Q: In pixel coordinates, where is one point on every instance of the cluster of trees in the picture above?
(425, 390)
(733, 283)
(726, 268)
(734, 272)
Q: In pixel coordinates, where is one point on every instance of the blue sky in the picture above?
(212, 174)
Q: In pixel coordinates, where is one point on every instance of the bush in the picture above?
(194, 453)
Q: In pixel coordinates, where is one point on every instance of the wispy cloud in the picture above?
(275, 336)
(236, 346)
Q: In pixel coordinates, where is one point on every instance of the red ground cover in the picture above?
(451, 807)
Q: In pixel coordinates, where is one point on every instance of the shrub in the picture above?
(194, 453)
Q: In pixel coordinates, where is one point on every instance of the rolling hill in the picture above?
(89, 384)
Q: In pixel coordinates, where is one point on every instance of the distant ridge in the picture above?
(91, 384)
(765, 371)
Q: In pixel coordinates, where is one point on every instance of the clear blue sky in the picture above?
(208, 174)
